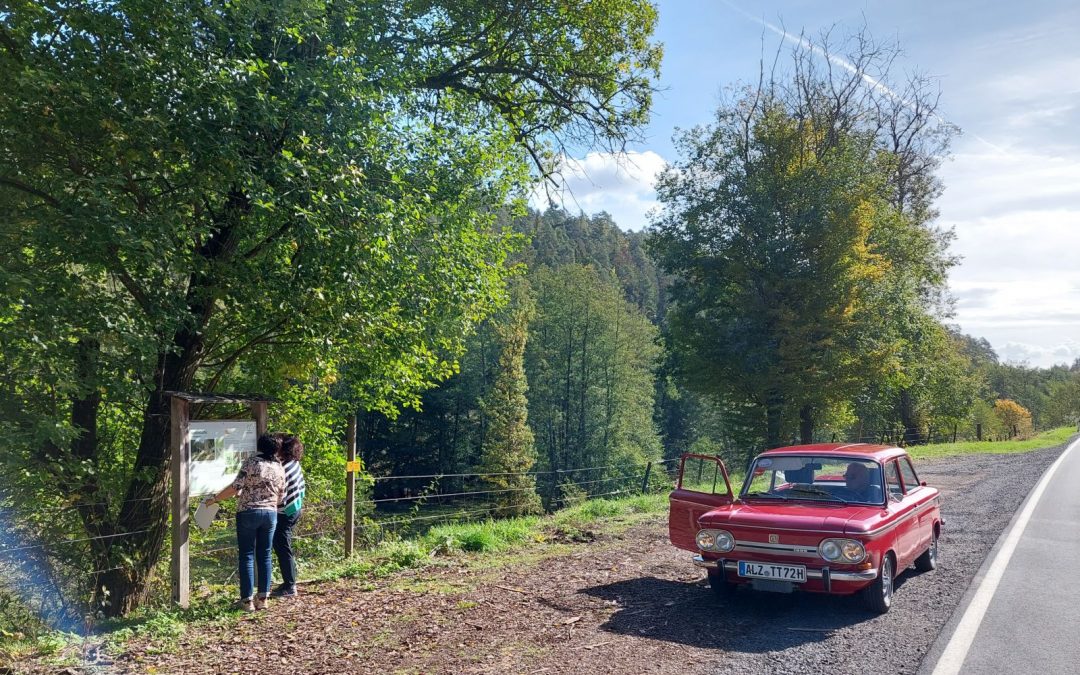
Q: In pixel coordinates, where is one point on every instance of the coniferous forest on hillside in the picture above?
(603, 389)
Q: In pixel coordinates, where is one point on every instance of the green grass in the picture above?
(482, 537)
(1046, 439)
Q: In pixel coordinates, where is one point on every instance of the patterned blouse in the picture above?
(260, 484)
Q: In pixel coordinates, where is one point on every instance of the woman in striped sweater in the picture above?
(292, 450)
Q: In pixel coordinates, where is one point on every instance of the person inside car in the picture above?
(858, 480)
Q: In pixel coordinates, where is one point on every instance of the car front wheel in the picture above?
(878, 595)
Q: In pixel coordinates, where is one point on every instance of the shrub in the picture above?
(1014, 418)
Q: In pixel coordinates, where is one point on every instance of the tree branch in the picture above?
(10, 44)
(128, 282)
(31, 190)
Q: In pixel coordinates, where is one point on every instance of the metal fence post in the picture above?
(645, 481)
(350, 486)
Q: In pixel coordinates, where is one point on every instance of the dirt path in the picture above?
(627, 603)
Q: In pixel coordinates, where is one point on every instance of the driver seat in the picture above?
(875, 493)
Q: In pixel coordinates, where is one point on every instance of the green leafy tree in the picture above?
(238, 195)
(1014, 418)
(591, 362)
(932, 388)
(1063, 407)
(771, 246)
(509, 452)
(794, 225)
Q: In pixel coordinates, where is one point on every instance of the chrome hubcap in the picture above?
(886, 580)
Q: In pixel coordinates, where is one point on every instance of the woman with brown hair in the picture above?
(261, 487)
(292, 451)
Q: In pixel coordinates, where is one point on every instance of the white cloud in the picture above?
(1040, 355)
(622, 184)
(989, 183)
(1052, 78)
(1036, 116)
(974, 297)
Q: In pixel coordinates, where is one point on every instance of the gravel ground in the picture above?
(627, 603)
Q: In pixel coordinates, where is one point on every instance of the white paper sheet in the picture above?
(204, 515)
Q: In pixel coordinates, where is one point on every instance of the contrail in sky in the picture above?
(843, 63)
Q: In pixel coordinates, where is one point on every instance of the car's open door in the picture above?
(703, 485)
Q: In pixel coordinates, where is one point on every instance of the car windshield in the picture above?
(815, 477)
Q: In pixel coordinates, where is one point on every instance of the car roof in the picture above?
(879, 453)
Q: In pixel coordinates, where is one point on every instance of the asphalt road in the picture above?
(1022, 613)
(812, 634)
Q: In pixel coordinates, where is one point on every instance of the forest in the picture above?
(326, 203)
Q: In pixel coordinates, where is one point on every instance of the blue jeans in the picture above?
(254, 532)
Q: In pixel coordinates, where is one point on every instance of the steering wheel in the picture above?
(847, 494)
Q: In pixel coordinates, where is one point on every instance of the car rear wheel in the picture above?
(929, 559)
(721, 587)
(878, 595)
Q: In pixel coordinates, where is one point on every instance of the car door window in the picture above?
(892, 481)
(911, 481)
(702, 474)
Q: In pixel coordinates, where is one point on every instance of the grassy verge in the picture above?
(470, 541)
(1046, 439)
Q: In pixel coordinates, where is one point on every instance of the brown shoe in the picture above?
(245, 605)
(261, 601)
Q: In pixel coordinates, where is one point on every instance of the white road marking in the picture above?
(952, 658)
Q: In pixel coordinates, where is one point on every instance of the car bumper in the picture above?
(819, 579)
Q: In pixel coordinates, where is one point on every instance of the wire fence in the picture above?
(411, 503)
(925, 434)
(381, 522)
(380, 518)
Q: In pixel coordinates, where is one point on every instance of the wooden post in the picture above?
(350, 486)
(978, 432)
(954, 428)
(181, 455)
(645, 481)
(258, 411)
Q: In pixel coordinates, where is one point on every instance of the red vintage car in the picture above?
(824, 518)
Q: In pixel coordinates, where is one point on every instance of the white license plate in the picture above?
(753, 570)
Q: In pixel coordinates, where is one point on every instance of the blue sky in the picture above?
(1010, 78)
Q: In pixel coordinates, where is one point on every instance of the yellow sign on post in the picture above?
(352, 467)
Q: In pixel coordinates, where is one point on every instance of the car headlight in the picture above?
(715, 540)
(853, 551)
(829, 550)
(848, 551)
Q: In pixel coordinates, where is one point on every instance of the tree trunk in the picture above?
(144, 512)
(906, 408)
(774, 410)
(806, 425)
